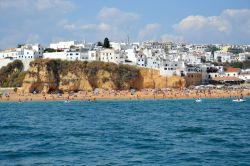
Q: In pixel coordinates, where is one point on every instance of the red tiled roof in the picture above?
(231, 69)
(227, 79)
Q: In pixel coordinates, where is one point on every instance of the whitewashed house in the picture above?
(244, 56)
(131, 55)
(232, 72)
(77, 54)
(141, 59)
(24, 52)
(94, 55)
(223, 57)
(111, 55)
(55, 55)
(170, 68)
(63, 45)
(153, 62)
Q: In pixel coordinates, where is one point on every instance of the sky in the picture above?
(192, 21)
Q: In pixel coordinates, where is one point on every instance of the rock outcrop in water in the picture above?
(52, 75)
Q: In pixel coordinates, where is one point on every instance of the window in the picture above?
(77, 53)
(175, 64)
(71, 54)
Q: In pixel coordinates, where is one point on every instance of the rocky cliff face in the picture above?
(149, 78)
(45, 76)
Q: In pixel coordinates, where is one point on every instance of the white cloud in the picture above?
(104, 27)
(59, 6)
(116, 16)
(232, 25)
(63, 5)
(149, 31)
(111, 22)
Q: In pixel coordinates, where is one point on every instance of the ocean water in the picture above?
(135, 132)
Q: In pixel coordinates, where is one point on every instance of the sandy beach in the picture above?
(118, 95)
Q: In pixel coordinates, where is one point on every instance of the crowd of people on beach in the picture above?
(166, 93)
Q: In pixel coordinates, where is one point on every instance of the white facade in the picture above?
(223, 57)
(72, 56)
(141, 60)
(244, 56)
(111, 55)
(55, 55)
(231, 74)
(131, 55)
(25, 52)
(171, 68)
(63, 45)
(153, 62)
(94, 55)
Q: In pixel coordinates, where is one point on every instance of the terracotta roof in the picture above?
(231, 69)
(227, 79)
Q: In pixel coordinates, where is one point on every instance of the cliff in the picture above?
(150, 78)
(53, 75)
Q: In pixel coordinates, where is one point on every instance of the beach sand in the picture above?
(119, 95)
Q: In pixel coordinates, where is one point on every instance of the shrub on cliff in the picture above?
(12, 75)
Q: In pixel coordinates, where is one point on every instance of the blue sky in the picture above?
(192, 21)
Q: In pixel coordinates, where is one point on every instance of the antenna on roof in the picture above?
(128, 39)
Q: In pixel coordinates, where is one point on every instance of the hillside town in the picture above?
(198, 64)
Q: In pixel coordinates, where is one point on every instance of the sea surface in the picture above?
(131, 132)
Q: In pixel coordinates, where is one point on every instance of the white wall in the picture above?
(55, 55)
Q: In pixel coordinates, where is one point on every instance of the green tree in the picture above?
(99, 43)
(20, 45)
(12, 75)
(106, 43)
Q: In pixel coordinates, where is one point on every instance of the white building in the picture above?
(141, 59)
(69, 54)
(131, 55)
(232, 72)
(153, 62)
(111, 55)
(24, 52)
(171, 68)
(223, 57)
(94, 55)
(63, 45)
(55, 55)
(244, 56)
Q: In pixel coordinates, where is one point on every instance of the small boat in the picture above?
(67, 101)
(198, 100)
(239, 100)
